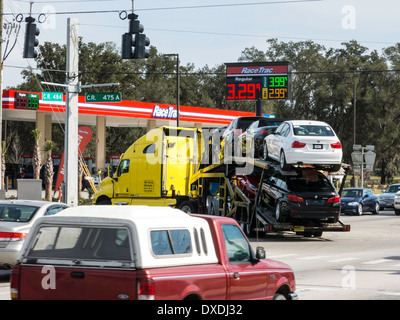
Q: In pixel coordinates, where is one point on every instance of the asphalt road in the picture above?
(363, 264)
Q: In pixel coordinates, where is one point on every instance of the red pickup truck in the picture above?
(144, 253)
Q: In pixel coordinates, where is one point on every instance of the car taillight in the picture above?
(298, 144)
(264, 132)
(12, 236)
(146, 289)
(14, 282)
(336, 145)
(334, 199)
(294, 198)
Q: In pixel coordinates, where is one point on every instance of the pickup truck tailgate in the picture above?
(76, 283)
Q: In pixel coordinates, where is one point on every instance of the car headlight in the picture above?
(353, 204)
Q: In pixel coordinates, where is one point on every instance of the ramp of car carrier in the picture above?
(270, 224)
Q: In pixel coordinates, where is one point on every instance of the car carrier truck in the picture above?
(165, 167)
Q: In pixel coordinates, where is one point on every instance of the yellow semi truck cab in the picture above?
(155, 170)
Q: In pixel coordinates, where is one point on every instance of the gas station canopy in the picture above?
(23, 106)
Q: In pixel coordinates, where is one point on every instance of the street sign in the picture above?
(357, 157)
(52, 96)
(103, 97)
(370, 157)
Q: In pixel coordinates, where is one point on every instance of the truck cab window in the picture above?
(151, 148)
(237, 246)
(123, 167)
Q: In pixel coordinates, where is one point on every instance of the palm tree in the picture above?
(48, 147)
(37, 162)
(3, 163)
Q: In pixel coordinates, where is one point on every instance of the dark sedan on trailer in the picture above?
(359, 200)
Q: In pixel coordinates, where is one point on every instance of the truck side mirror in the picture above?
(260, 253)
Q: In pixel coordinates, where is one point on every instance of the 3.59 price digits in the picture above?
(242, 91)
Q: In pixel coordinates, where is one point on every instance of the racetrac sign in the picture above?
(164, 112)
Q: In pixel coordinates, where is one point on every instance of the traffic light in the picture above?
(135, 42)
(32, 31)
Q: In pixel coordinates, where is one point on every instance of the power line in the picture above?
(183, 7)
(210, 73)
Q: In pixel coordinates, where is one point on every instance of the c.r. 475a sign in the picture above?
(103, 97)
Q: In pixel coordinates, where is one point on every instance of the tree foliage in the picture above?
(323, 80)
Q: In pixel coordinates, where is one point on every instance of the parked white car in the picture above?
(16, 220)
(397, 203)
(304, 142)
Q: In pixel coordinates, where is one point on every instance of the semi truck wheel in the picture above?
(187, 207)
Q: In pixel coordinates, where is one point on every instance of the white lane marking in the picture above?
(343, 259)
(313, 257)
(377, 261)
(283, 256)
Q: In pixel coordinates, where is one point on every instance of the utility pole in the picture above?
(73, 87)
(71, 115)
(1, 89)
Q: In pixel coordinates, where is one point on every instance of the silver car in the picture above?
(386, 199)
(16, 219)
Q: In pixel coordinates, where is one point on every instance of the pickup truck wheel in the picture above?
(278, 296)
(397, 212)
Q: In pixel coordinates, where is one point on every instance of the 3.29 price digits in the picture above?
(242, 91)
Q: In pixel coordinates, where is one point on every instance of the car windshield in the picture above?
(268, 122)
(309, 181)
(244, 123)
(313, 130)
(16, 213)
(393, 189)
(351, 193)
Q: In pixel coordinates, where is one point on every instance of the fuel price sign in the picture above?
(29, 101)
(258, 81)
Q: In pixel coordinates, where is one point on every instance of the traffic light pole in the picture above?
(73, 87)
(1, 89)
(71, 116)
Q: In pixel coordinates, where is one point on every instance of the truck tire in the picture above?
(279, 296)
(187, 207)
(397, 212)
(104, 202)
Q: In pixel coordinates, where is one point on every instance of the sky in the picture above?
(205, 32)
